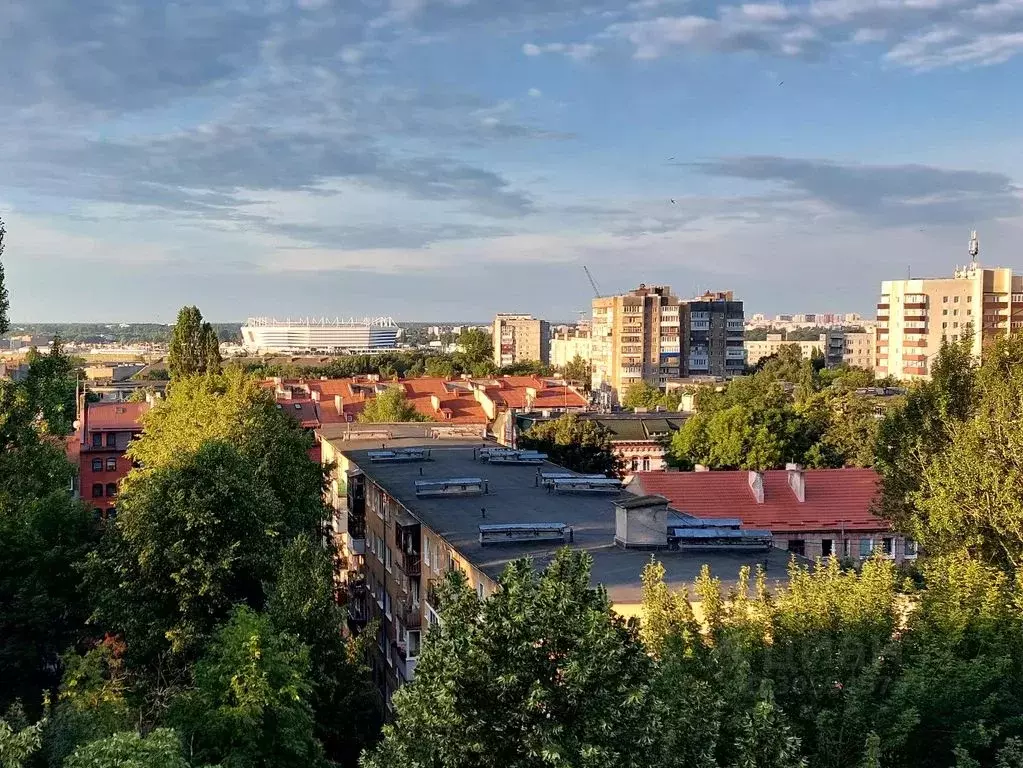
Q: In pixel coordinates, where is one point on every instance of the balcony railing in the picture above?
(432, 595)
(411, 614)
(411, 563)
(356, 526)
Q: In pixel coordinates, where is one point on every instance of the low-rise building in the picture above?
(99, 445)
(809, 512)
(407, 512)
(831, 345)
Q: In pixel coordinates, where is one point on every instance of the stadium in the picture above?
(265, 334)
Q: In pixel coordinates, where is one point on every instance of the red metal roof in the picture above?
(113, 417)
(836, 499)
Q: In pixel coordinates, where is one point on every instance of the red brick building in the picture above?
(99, 444)
(810, 512)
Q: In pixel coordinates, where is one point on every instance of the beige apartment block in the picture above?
(914, 316)
(638, 336)
(758, 350)
(860, 349)
(518, 338)
(569, 344)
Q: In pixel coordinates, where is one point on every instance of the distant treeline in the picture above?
(115, 333)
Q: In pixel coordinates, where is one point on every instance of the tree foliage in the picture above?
(579, 444)
(390, 407)
(160, 748)
(476, 345)
(52, 386)
(577, 371)
(194, 345)
(5, 304)
(541, 673)
(642, 395)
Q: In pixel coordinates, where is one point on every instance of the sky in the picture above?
(449, 159)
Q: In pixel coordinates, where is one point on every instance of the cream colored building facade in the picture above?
(914, 316)
(859, 349)
(518, 338)
(638, 336)
(758, 350)
(567, 346)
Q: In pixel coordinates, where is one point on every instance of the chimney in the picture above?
(756, 486)
(701, 468)
(339, 403)
(435, 402)
(641, 522)
(797, 481)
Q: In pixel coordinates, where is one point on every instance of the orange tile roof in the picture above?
(836, 499)
(116, 416)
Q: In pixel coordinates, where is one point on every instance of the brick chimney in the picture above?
(797, 481)
(756, 486)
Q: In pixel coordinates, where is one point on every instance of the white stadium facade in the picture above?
(371, 334)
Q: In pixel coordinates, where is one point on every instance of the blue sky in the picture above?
(448, 159)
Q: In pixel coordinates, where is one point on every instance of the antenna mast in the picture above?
(974, 249)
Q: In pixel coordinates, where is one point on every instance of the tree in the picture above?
(581, 445)
(540, 673)
(391, 407)
(250, 705)
(345, 704)
(641, 395)
(17, 745)
(911, 435)
(577, 371)
(161, 748)
(194, 346)
(191, 539)
(5, 304)
(52, 386)
(476, 345)
(439, 368)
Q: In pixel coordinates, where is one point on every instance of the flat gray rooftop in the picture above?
(515, 497)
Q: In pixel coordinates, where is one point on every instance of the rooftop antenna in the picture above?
(974, 249)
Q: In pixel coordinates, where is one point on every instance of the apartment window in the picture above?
(413, 643)
(426, 553)
(955, 313)
(646, 463)
(866, 547)
(387, 559)
(955, 300)
(827, 547)
(111, 464)
(387, 604)
(97, 439)
(480, 591)
(944, 311)
(797, 546)
(955, 325)
(97, 465)
(111, 489)
(888, 546)
(111, 439)
(944, 299)
(97, 490)
(846, 547)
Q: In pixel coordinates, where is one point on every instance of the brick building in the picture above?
(101, 438)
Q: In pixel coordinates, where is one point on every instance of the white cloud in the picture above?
(577, 51)
(531, 50)
(535, 93)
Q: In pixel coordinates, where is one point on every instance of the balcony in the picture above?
(404, 664)
(432, 594)
(411, 614)
(411, 563)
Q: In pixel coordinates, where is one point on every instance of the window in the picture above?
(111, 513)
(955, 300)
(955, 325)
(97, 490)
(944, 299)
(969, 299)
(111, 439)
(97, 439)
(387, 604)
(387, 558)
(888, 546)
(111, 489)
(944, 311)
(97, 465)
(969, 311)
(111, 464)
(955, 313)
(944, 325)
(646, 463)
(413, 643)
(426, 553)
(480, 591)
(866, 547)
(827, 547)
(634, 464)
(910, 548)
(797, 546)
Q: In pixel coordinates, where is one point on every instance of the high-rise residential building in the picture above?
(715, 343)
(521, 337)
(638, 336)
(914, 316)
(859, 349)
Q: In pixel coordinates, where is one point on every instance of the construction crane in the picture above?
(590, 278)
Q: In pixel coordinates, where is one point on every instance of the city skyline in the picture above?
(413, 157)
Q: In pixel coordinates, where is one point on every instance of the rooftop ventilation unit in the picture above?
(486, 454)
(586, 485)
(454, 486)
(519, 457)
(547, 478)
(708, 537)
(400, 455)
(514, 533)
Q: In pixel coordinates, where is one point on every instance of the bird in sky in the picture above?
(672, 201)
(781, 82)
